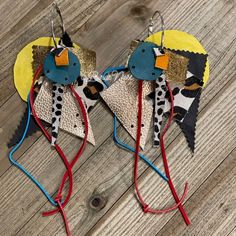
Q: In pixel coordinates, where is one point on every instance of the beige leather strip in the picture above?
(122, 99)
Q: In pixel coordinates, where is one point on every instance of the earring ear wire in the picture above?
(56, 8)
(55, 5)
(151, 24)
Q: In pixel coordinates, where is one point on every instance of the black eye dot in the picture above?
(143, 50)
(142, 125)
(132, 126)
(133, 67)
(74, 64)
(153, 73)
(77, 115)
(48, 71)
(75, 126)
(66, 78)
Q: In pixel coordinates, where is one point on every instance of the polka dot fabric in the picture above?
(160, 91)
(71, 117)
(57, 102)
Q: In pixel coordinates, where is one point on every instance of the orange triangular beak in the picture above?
(63, 58)
(162, 61)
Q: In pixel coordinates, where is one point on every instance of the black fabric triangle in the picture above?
(18, 133)
(188, 125)
(66, 40)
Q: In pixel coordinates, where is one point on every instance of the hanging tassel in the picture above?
(145, 206)
(78, 155)
(58, 200)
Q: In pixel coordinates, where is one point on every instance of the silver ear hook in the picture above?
(151, 24)
(55, 7)
(53, 34)
(59, 13)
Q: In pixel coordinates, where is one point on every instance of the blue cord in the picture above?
(14, 162)
(127, 147)
(109, 70)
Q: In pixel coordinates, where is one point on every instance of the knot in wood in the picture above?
(97, 202)
(140, 10)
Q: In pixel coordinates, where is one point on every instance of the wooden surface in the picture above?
(105, 172)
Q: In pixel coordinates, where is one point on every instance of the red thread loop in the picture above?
(163, 152)
(78, 155)
(58, 200)
(60, 152)
(140, 198)
(145, 208)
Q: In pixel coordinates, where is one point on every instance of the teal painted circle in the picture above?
(62, 74)
(142, 62)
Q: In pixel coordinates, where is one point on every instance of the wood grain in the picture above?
(30, 25)
(103, 202)
(193, 169)
(211, 211)
(233, 232)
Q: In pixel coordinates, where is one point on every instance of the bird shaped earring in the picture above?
(164, 75)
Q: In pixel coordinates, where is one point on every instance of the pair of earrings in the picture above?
(173, 61)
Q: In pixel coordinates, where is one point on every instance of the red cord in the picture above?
(58, 149)
(145, 206)
(84, 112)
(58, 200)
(60, 152)
(167, 172)
(48, 136)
